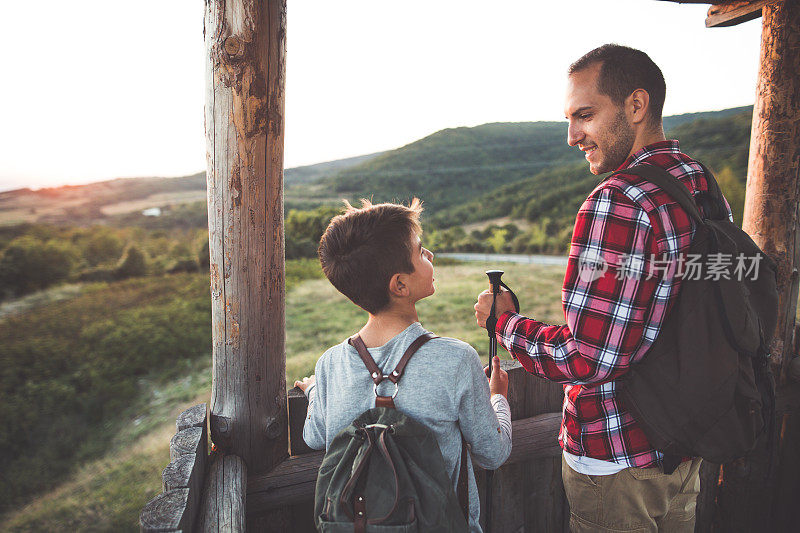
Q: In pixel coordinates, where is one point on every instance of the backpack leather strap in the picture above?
(369, 362)
(397, 373)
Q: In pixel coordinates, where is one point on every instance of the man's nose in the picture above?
(574, 135)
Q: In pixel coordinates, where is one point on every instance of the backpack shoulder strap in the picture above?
(670, 185)
(369, 362)
(397, 373)
(715, 208)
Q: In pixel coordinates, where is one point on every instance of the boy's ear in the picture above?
(397, 287)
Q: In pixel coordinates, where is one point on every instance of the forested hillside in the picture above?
(721, 142)
(454, 166)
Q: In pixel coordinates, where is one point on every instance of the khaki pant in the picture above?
(634, 499)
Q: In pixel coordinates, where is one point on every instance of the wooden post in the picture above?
(224, 499)
(771, 205)
(529, 496)
(748, 498)
(245, 72)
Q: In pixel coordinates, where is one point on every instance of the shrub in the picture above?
(131, 264)
(28, 265)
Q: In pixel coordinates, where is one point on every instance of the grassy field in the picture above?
(106, 493)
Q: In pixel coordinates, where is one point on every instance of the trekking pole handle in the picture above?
(494, 280)
(494, 285)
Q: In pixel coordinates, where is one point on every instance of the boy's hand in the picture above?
(498, 383)
(306, 383)
(484, 305)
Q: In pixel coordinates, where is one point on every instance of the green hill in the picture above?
(454, 166)
(720, 141)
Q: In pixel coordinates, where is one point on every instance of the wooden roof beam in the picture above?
(733, 13)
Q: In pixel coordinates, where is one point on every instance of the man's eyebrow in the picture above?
(580, 110)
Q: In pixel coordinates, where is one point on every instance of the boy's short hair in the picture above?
(364, 247)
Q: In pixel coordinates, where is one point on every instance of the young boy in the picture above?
(374, 256)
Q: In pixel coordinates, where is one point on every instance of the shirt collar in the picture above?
(669, 146)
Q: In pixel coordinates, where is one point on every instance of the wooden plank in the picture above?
(298, 408)
(194, 417)
(733, 13)
(245, 72)
(186, 472)
(166, 513)
(188, 441)
(224, 496)
(535, 437)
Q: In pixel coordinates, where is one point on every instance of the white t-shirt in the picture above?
(592, 467)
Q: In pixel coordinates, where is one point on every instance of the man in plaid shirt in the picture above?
(619, 286)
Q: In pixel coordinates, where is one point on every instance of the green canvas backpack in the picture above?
(385, 473)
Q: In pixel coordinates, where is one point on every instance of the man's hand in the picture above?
(306, 383)
(484, 305)
(498, 383)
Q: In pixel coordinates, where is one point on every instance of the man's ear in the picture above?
(397, 286)
(638, 105)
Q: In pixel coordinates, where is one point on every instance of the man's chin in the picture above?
(596, 169)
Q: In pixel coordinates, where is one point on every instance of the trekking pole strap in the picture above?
(491, 321)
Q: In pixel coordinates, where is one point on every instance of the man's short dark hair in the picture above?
(364, 247)
(622, 71)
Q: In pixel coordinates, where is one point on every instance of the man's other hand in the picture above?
(484, 305)
(498, 383)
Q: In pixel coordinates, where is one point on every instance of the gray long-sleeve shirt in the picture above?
(443, 387)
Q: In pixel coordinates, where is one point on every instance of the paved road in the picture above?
(508, 258)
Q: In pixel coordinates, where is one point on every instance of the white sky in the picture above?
(94, 90)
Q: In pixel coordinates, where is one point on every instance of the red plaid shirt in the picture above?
(619, 285)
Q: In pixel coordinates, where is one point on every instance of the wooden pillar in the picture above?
(748, 498)
(245, 72)
(773, 184)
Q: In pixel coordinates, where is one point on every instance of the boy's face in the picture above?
(421, 280)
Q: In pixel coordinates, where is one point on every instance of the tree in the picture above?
(131, 264)
(28, 265)
(102, 247)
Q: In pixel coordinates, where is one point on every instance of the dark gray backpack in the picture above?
(705, 389)
(385, 473)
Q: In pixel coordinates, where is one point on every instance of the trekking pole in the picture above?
(494, 284)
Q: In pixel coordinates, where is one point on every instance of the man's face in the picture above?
(596, 124)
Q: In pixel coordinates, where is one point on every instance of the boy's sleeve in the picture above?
(314, 427)
(485, 423)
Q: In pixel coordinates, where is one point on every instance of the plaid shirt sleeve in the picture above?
(613, 311)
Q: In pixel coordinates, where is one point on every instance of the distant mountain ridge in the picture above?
(454, 166)
(451, 170)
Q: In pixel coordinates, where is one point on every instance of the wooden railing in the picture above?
(177, 507)
(202, 493)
